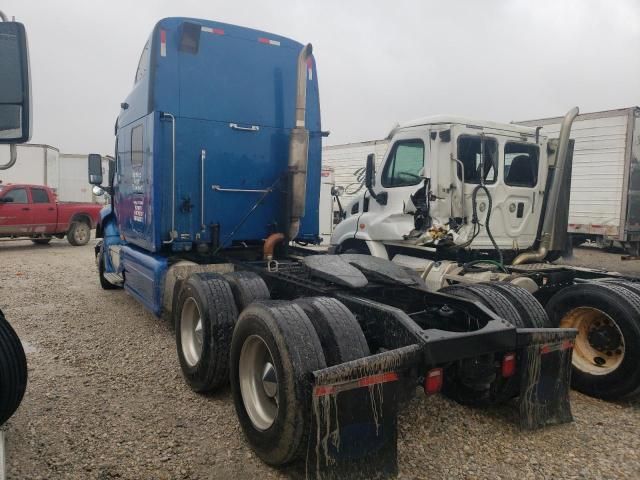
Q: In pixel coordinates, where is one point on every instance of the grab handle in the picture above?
(252, 128)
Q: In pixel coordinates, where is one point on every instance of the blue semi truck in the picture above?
(214, 196)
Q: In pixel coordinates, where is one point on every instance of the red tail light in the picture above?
(433, 381)
(508, 365)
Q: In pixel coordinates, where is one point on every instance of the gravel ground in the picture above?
(106, 400)
(591, 256)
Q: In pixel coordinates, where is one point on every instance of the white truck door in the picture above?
(399, 177)
(522, 200)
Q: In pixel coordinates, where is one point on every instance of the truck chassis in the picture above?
(346, 401)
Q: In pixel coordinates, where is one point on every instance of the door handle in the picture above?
(252, 128)
(26, 208)
(51, 209)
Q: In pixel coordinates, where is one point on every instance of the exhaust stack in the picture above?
(298, 150)
(551, 237)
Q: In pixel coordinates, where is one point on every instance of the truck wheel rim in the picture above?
(80, 233)
(599, 348)
(258, 382)
(191, 332)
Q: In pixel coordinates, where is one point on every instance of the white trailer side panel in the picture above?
(599, 181)
(598, 174)
(73, 183)
(346, 159)
(31, 165)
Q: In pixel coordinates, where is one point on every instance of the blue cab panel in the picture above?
(221, 98)
(145, 275)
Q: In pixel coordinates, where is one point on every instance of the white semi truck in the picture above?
(605, 181)
(475, 206)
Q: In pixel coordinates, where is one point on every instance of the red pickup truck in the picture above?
(33, 211)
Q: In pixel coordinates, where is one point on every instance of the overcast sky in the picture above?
(378, 62)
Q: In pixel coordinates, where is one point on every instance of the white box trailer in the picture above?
(348, 161)
(41, 164)
(605, 180)
(36, 164)
(73, 185)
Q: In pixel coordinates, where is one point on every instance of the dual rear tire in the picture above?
(482, 387)
(268, 352)
(606, 354)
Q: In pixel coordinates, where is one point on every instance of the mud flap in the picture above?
(544, 360)
(355, 418)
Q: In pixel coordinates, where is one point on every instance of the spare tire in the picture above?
(274, 350)
(340, 334)
(247, 287)
(606, 354)
(13, 370)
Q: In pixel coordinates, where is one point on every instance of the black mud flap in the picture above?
(544, 358)
(355, 410)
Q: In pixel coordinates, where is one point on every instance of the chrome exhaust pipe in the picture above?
(549, 238)
(299, 150)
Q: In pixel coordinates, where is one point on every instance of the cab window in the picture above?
(136, 147)
(39, 195)
(143, 64)
(470, 148)
(404, 164)
(520, 164)
(19, 195)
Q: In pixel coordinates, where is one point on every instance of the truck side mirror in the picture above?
(6, 200)
(15, 84)
(95, 169)
(369, 175)
(370, 171)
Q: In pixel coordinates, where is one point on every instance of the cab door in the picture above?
(522, 199)
(15, 212)
(398, 177)
(44, 212)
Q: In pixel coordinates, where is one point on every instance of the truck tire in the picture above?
(532, 312)
(498, 390)
(41, 241)
(204, 316)
(491, 297)
(79, 233)
(606, 354)
(340, 334)
(274, 350)
(13, 370)
(104, 283)
(247, 287)
(631, 286)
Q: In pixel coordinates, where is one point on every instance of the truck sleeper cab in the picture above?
(218, 171)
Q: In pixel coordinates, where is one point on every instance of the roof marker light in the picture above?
(268, 41)
(215, 31)
(163, 43)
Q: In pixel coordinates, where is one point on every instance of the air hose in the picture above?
(475, 221)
